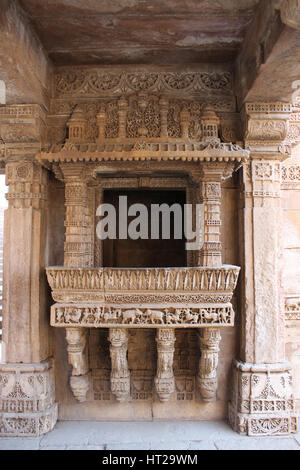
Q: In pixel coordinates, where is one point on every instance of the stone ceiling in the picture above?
(140, 32)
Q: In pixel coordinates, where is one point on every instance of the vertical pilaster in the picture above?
(27, 396)
(262, 401)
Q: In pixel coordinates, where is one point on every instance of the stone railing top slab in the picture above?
(142, 297)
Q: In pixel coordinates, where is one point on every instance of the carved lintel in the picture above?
(209, 339)
(164, 380)
(120, 375)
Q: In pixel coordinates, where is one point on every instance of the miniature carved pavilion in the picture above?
(105, 330)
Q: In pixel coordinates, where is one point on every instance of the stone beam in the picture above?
(25, 68)
(269, 61)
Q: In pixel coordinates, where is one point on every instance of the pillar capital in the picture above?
(266, 129)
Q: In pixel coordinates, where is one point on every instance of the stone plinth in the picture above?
(262, 402)
(27, 399)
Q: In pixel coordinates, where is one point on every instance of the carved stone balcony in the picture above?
(142, 297)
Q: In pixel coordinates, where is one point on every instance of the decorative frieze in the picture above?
(292, 307)
(209, 339)
(27, 399)
(134, 316)
(262, 401)
(164, 379)
(290, 176)
(120, 375)
(100, 82)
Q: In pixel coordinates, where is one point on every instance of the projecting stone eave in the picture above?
(157, 151)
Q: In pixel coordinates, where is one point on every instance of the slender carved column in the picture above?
(185, 122)
(123, 105)
(211, 254)
(164, 380)
(77, 253)
(262, 401)
(164, 117)
(78, 248)
(209, 339)
(78, 358)
(120, 375)
(98, 255)
(101, 121)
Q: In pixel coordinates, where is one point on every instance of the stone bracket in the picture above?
(164, 380)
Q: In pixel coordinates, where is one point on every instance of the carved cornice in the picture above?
(197, 151)
(290, 13)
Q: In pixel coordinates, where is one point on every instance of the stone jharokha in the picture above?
(144, 132)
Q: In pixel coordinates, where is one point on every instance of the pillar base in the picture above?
(262, 401)
(27, 407)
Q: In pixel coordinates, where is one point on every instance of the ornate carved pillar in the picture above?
(78, 245)
(209, 339)
(164, 380)
(27, 398)
(262, 401)
(120, 375)
(77, 253)
(210, 255)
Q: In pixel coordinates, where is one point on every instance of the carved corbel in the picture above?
(78, 358)
(164, 380)
(290, 13)
(209, 339)
(120, 375)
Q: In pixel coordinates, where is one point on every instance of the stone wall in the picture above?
(291, 265)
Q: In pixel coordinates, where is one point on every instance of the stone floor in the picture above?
(157, 435)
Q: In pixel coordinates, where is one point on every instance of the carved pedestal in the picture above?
(262, 401)
(120, 375)
(27, 399)
(209, 339)
(77, 355)
(164, 380)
